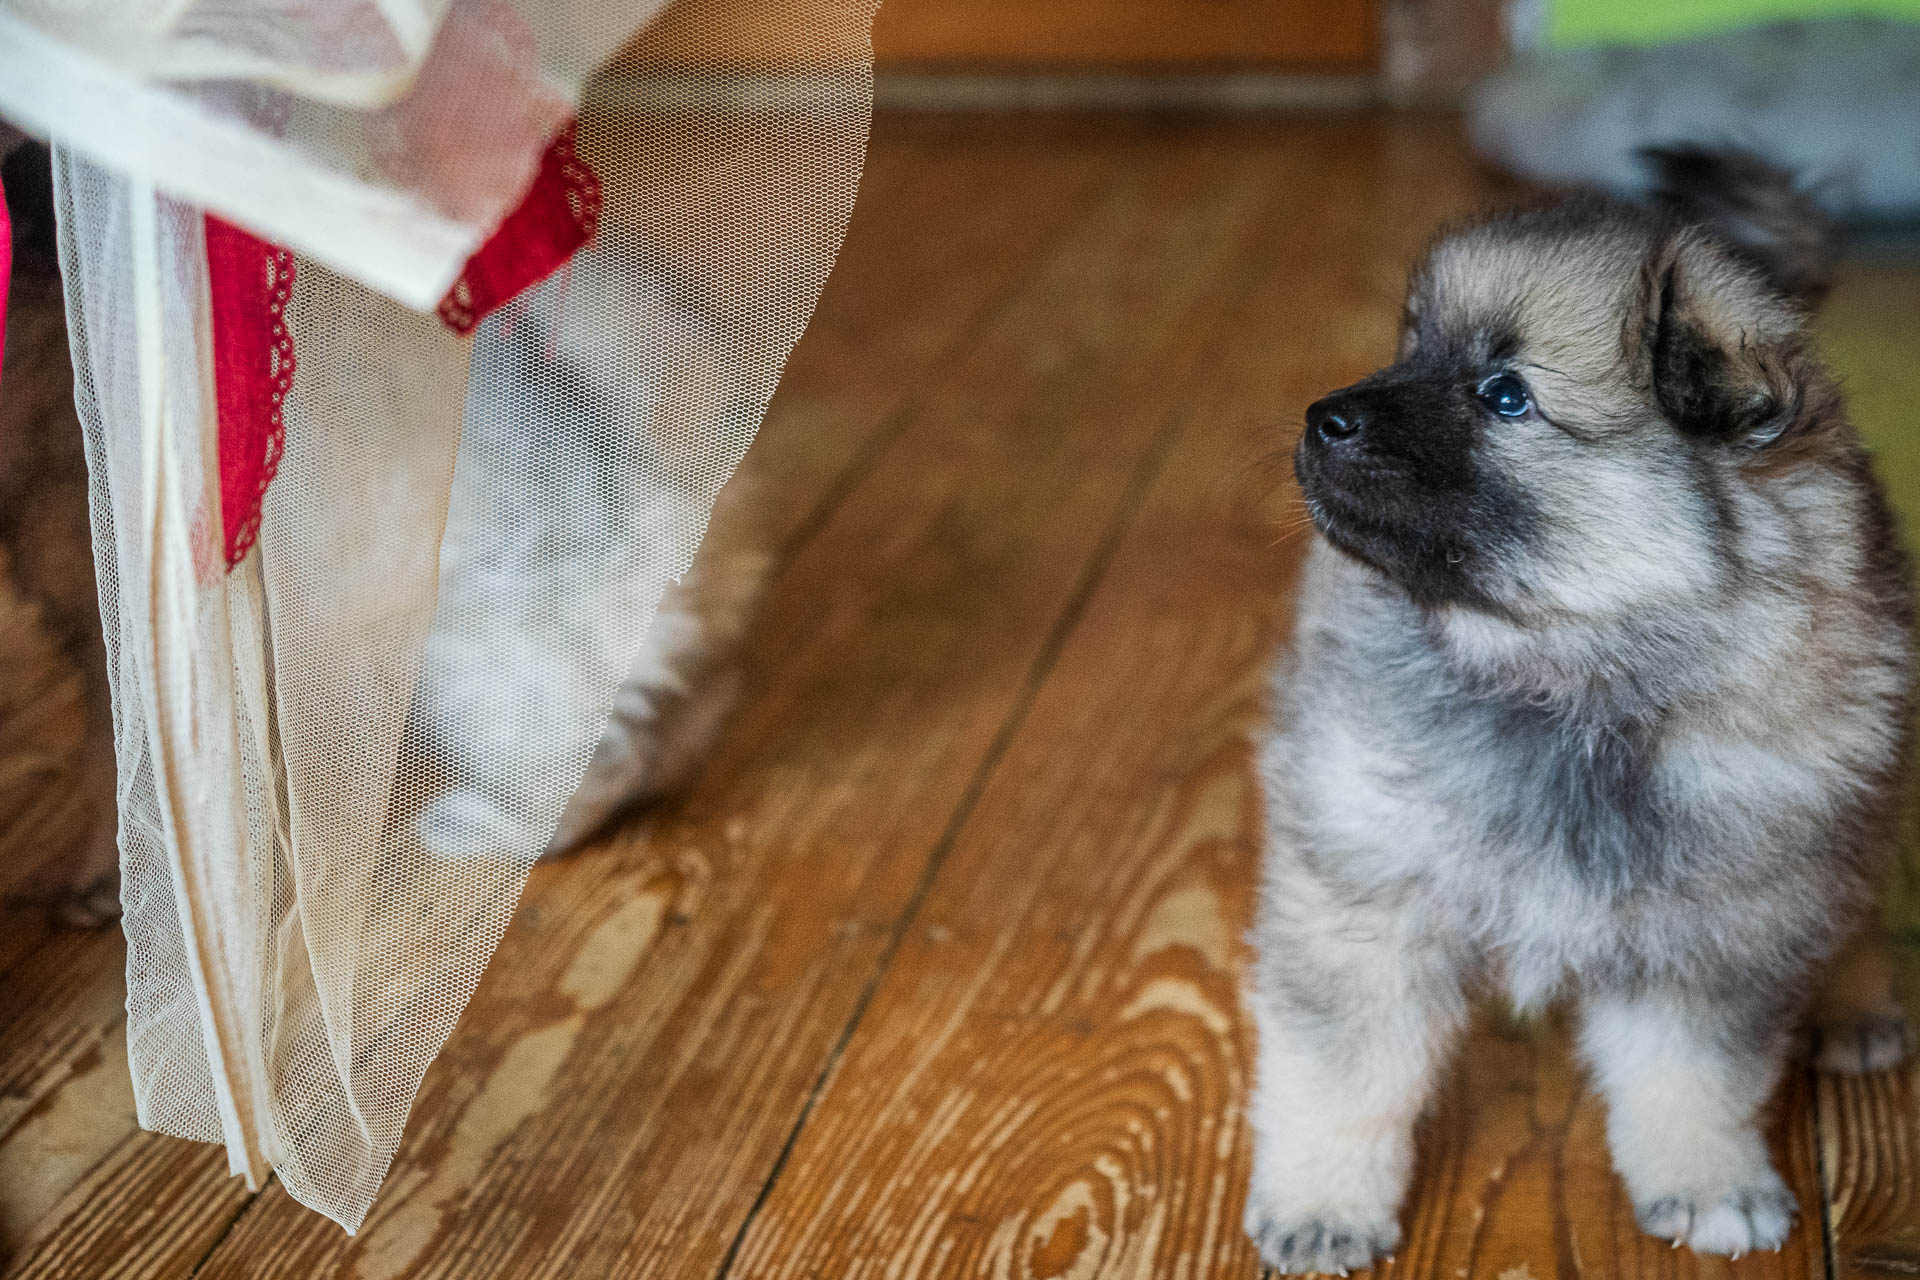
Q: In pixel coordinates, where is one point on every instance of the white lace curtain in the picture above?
(461, 549)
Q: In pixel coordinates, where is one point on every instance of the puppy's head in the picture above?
(1576, 389)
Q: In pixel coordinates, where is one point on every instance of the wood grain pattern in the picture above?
(1869, 1128)
(153, 1206)
(1316, 34)
(40, 728)
(1049, 1080)
(898, 639)
(936, 971)
(1514, 1181)
(845, 390)
(65, 1099)
(1870, 1154)
(1308, 35)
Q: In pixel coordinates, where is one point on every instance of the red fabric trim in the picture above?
(250, 282)
(557, 215)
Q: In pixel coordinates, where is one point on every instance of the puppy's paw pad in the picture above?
(1736, 1221)
(1869, 1042)
(1332, 1243)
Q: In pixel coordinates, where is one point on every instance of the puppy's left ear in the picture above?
(1729, 355)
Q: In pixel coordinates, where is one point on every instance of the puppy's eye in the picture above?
(1505, 395)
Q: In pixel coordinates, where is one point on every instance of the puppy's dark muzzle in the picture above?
(1371, 428)
(1350, 462)
(1335, 422)
(1343, 447)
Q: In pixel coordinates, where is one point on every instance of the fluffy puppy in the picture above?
(1599, 689)
(576, 475)
(668, 709)
(683, 685)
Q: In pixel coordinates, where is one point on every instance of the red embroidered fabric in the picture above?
(250, 282)
(556, 216)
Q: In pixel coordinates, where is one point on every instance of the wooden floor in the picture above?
(935, 972)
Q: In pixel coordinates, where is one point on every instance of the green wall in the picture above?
(1578, 22)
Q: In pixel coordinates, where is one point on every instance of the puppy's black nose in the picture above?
(1333, 420)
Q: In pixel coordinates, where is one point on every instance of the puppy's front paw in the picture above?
(1294, 1244)
(1728, 1220)
(1863, 1043)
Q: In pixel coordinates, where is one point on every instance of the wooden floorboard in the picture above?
(65, 1099)
(1514, 1181)
(1049, 1080)
(935, 971)
(1869, 1132)
(655, 1022)
(854, 375)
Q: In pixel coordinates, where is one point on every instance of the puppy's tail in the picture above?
(1753, 206)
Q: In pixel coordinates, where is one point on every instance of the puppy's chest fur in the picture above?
(1547, 844)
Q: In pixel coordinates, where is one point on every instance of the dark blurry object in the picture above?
(1774, 224)
(45, 529)
(1836, 101)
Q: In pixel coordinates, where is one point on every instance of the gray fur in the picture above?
(569, 508)
(1604, 702)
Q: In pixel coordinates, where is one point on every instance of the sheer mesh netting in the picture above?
(340, 757)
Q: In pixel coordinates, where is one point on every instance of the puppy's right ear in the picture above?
(1729, 359)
